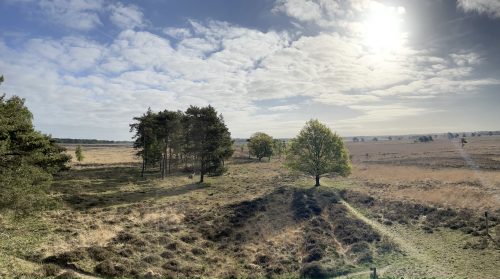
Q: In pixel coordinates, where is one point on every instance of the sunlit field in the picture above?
(409, 209)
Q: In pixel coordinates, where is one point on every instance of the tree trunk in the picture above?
(202, 170)
(170, 160)
(317, 181)
(144, 152)
(162, 166)
(143, 166)
(144, 157)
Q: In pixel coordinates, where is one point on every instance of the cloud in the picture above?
(75, 14)
(85, 15)
(177, 33)
(284, 108)
(463, 59)
(303, 10)
(490, 8)
(86, 86)
(126, 16)
(380, 113)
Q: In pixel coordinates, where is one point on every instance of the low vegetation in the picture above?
(79, 153)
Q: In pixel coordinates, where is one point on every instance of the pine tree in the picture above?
(28, 159)
(207, 139)
(169, 131)
(146, 140)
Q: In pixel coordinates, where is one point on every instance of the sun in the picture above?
(383, 29)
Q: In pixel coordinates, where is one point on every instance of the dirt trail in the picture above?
(408, 248)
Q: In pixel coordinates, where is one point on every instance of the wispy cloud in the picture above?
(284, 108)
(85, 15)
(488, 7)
(126, 16)
(76, 14)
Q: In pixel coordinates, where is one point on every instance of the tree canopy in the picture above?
(260, 145)
(28, 159)
(318, 151)
(197, 137)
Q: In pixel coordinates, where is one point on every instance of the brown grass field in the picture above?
(412, 210)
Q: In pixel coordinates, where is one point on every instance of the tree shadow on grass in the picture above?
(103, 187)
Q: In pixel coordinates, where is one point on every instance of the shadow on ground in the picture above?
(103, 187)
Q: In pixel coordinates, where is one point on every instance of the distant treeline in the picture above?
(424, 138)
(89, 141)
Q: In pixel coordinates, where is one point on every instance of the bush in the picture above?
(262, 259)
(313, 270)
(188, 238)
(198, 251)
(167, 255)
(51, 269)
(126, 237)
(304, 205)
(386, 246)
(314, 254)
(359, 247)
(79, 153)
(172, 246)
(99, 253)
(316, 270)
(365, 257)
(260, 145)
(171, 265)
(109, 268)
(151, 259)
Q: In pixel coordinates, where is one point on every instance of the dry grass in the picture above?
(99, 155)
(163, 226)
(436, 173)
(479, 152)
(446, 187)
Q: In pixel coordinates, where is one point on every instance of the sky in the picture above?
(363, 67)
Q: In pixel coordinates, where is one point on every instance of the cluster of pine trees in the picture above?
(28, 159)
(196, 140)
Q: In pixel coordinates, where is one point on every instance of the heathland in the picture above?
(409, 209)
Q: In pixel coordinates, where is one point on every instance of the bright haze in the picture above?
(86, 67)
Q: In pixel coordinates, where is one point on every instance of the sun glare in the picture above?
(383, 29)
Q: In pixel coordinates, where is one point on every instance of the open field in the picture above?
(96, 155)
(440, 172)
(411, 210)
